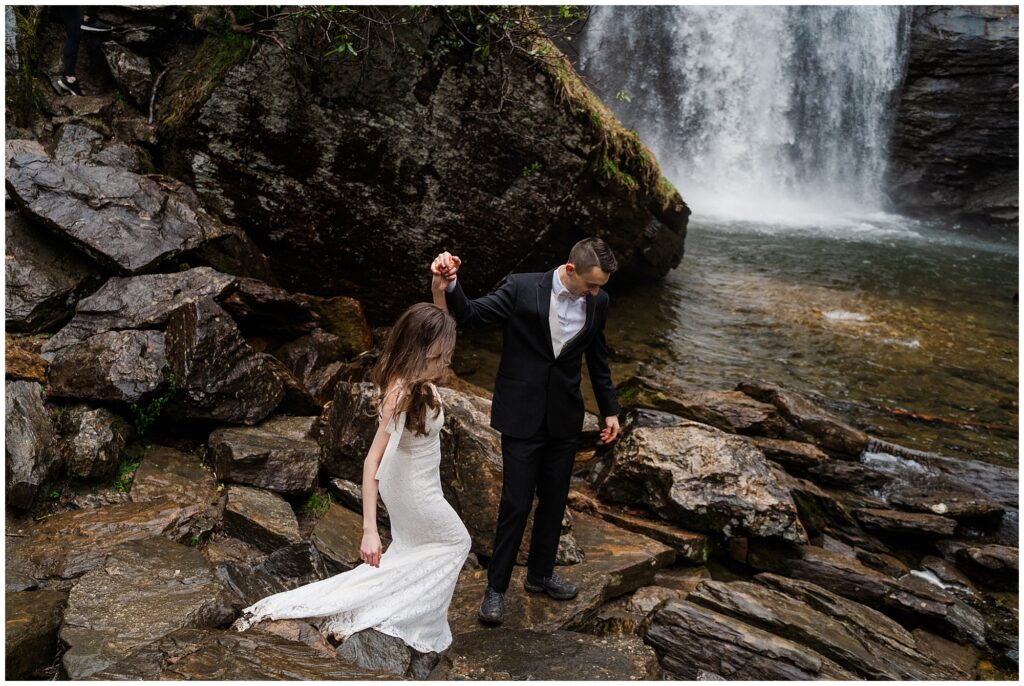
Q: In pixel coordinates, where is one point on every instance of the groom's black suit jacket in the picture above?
(532, 383)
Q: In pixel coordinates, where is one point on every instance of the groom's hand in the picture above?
(446, 265)
(611, 430)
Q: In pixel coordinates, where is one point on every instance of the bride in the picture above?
(405, 591)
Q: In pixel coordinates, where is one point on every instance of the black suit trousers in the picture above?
(541, 466)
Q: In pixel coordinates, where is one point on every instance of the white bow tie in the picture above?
(567, 295)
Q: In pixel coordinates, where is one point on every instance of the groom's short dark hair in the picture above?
(590, 253)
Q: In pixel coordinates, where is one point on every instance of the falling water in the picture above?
(766, 113)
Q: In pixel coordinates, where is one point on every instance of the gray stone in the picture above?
(127, 366)
(93, 440)
(30, 442)
(260, 517)
(132, 72)
(279, 454)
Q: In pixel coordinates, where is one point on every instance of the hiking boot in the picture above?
(71, 87)
(96, 24)
(554, 585)
(492, 607)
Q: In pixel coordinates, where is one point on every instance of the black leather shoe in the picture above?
(554, 585)
(492, 608)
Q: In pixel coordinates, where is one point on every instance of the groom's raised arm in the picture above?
(493, 308)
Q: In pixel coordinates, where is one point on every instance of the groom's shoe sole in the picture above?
(539, 588)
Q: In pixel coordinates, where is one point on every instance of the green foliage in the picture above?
(125, 475)
(194, 541)
(144, 417)
(318, 504)
(54, 494)
(184, 267)
(622, 96)
(531, 169)
(607, 169)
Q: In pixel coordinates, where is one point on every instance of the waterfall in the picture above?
(763, 113)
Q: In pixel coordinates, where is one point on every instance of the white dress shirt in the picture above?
(566, 315)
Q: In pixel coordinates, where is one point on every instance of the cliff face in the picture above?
(953, 152)
(351, 174)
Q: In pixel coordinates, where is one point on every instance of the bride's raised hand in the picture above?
(369, 549)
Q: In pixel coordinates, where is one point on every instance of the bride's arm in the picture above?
(438, 286)
(370, 550)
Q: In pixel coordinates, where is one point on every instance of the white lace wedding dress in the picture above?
(409, 593)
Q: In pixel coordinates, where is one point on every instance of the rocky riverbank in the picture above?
(185, 428)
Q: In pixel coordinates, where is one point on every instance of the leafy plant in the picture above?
(318, 504)
(54, 494)
(622, 96)
(145, 416)
(531, 169)
(125, 475)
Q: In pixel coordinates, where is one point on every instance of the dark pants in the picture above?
(538, 465)
(71, 17)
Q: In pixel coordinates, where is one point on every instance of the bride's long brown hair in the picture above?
(421, 338)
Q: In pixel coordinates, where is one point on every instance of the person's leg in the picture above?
(521, 459)
(552, 495)
(71, 17)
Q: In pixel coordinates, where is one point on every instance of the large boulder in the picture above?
(702, 478)
(126, 366)
(252, 574)
(44, 277)
(337, 536)
(316, 360)
(953, 150)
(30, 442)
(403, 138)
(169, 474)
(279, 455)
(69, 544)
(127, 222)
(144, 590)
(260, 517)
(218, 374)
(139, 302)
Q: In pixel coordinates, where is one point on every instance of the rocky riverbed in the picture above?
(185, 431)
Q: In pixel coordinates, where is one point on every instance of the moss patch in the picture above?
(216, 54)
(619, 155)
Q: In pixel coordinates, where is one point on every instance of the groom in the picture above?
(550, 322)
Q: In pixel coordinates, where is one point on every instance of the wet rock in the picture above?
(30, 442)
(795, 456)
(258, 574)
(350, 495)
(44, 277)
(126, 366)
(905, 597)
(647, 598)
(994, 565)
(299, 630)
(947, 573)
(376, 651)
(946, 497)
(278, 455)
(730, 411)
(15, 582)
(338, 535)
(204, 654)
(682, 579)
(131, 72)
(143, 591)
(22, 359)
(260, 517)
(127, 222)
(825, 430)
(561, 655)
(71, 543)
(93, 439)
(166, 473)
(296, 399)
(343, 317)
(77, 143)
(617, 562)
(220, 377)
(314, 359)
(896, 522)
(31, 620)
(953, 152)
(688, 545)
(263, 309)
(348, 429)
(701, 478)
(689, 638)
(854, 636)
(139, 302)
